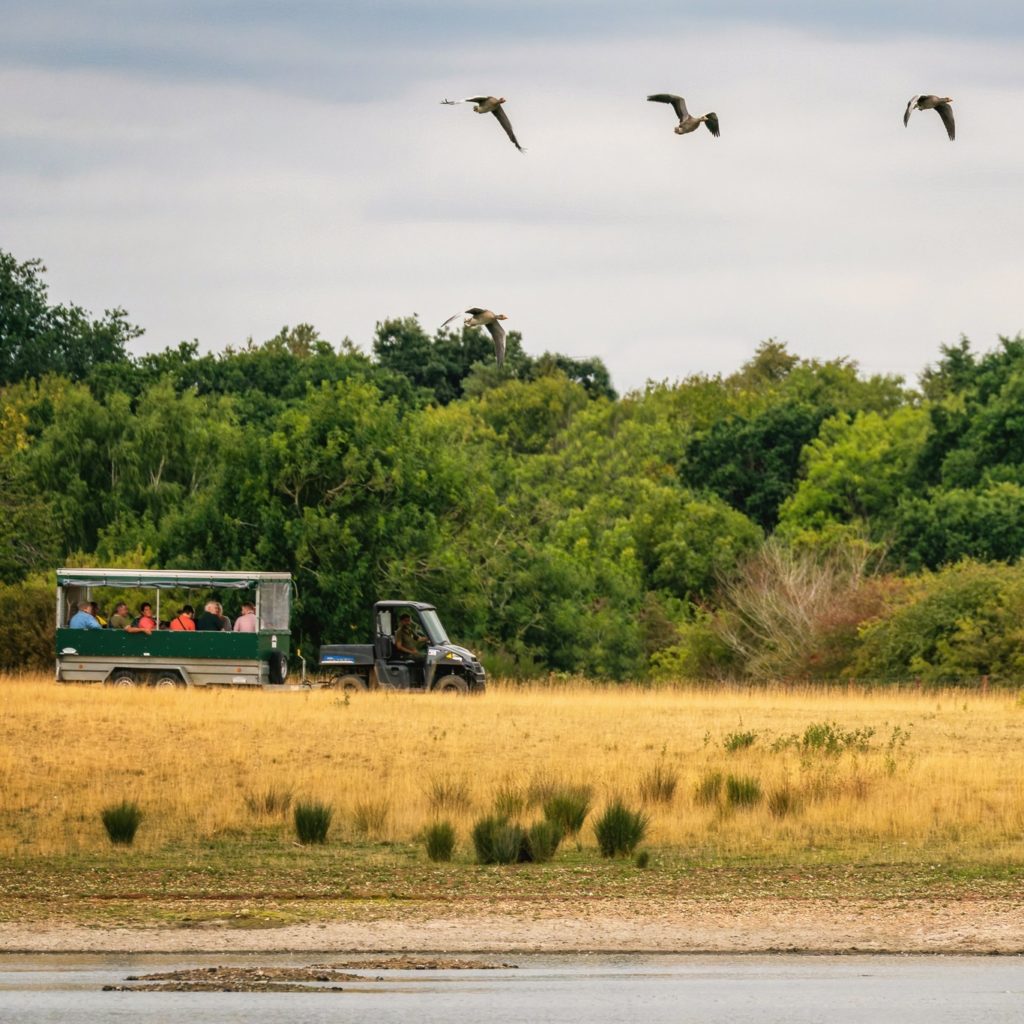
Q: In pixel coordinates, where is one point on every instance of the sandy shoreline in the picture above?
(806, 926)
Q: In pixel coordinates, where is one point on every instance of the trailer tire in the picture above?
(452, 684)
(350, 684)
(278, 666)
(121, 677)
(167, 681)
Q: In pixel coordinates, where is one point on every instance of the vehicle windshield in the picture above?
(432, 624)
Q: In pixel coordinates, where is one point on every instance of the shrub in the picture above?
(659, 784)
(370, 817)
(121, 822)
(448, 794)
(439, 839)
(709, 789)
(619, 830)
(568, 809)
(497, 840)
(642, 859)
(312, 822)
(742, 791)
(270, 802)
(783, 801)
(831, 739)
(739, 741)
(542, 841)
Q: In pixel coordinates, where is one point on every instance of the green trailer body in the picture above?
(171, 657)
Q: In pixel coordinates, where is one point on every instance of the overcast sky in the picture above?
(223, 169)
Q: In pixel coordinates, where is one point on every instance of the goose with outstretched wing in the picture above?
(491, 105)
(941, 106)
(484, 318)
(687, 122)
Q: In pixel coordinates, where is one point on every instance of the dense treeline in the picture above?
(794, 518)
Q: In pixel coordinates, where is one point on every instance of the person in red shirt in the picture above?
(145, 619)
(184, 620)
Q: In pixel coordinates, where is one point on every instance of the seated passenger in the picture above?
(246, 622)
(120, 619)
(184, 620)
(210, 621)
(225, 621)
(407, 642)
(84, 618)
(145, 621)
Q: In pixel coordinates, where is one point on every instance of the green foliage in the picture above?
(568, 808)
(658, 784)
(783, 801)
(27, 624)
(620, 830)
(439, 838)
(312, 821)
(542, 841)
(742, 740)
(742, 791)
(709, 788)
(122, 822)
(497, 840)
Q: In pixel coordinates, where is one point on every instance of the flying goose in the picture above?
(687, 122)
(491, 105)
(940, 104)
(485, 318)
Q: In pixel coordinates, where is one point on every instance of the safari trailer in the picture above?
(166, 657)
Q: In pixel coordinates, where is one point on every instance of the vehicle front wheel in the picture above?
(451, 685)
(350, 684)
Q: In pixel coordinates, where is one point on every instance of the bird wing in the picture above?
(678, 103)
(712, 123)
(449, 320)
(499, 113)
(945, 111)
(468, 99)
(910, 107)
(498, 334)
(476, 311)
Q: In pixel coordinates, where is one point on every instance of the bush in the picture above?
(439, 839)
(619, 831)
(27, 624)
(122, 822)
(709, 789)
(659, 784)
(568, 809)
(497, 840)
(739, 741)
(642, 859)
(270, 802)
(312, 822)
(742, 791)
(542, 841)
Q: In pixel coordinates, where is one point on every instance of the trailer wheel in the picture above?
(452, 684)
(122, 677)
(350, 684)
(278, 665)
(167, 681)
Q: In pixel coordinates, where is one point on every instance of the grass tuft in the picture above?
(568, 809)
(447, 794)
(370, 817)
(783, 801)
(709, 788)
(270, 802)
(497, 840)
(542, 841)
(312, 822)
(742, 791)
(122, 822)
(439, 839)
(658, 786)
(619, 830)
(739, 741)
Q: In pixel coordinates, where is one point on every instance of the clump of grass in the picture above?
(568, 809)
(122, 822)
(270, 802)
(783, 801)
(709, 788)
(739, 741)
(826, 738)
(369, 817)
(509, 800)
(742, 791)
(659, 784)
(439, 839)
(619, 830)
(497, 840)
(542, 787)
(446, 794)
(312, 821)
(642, 859)
(542, 841)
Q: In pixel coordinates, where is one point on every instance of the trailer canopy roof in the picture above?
(167, 579)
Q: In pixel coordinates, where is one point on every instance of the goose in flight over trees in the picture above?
(940, 104)
(485, 318)
(491, 105)
(687, 122)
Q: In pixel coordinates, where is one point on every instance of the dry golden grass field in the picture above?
(878, 776)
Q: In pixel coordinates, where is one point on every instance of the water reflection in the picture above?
(571, 989)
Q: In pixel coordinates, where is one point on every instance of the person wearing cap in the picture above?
(246, 622)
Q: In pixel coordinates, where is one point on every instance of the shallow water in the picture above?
(570, 989)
